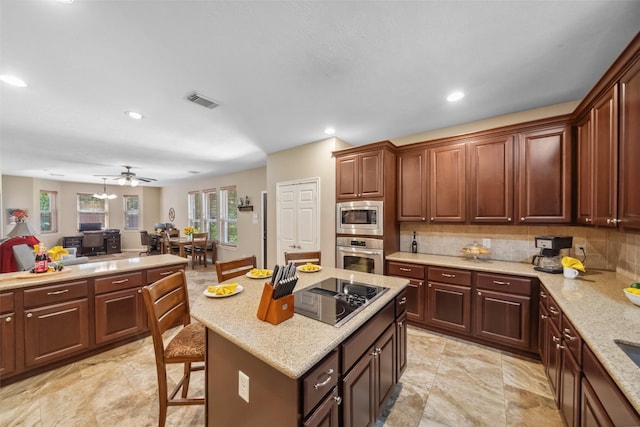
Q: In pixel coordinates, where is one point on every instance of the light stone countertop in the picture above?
(26, 279)
(297, 344)
(594, 303)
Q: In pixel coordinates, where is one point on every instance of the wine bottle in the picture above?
(414, 244)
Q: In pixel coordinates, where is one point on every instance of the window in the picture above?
(131, 212)
(228, 222)
(92, 210)
(211, 213)
(48, 211)
(195, 209)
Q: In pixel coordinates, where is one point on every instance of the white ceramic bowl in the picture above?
(632, 297)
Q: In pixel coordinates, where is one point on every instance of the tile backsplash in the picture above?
(606, 249)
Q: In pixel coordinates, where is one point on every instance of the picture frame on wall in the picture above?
(16, 215)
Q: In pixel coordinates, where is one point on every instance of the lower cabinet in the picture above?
(327, 414)
(8, 337)
(415, 290)
(449, 299)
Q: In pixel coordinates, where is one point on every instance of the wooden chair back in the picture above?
(301, 258)
(167, 302)
(173, 233)
(234, 268)
(167, 247)
(198, 249)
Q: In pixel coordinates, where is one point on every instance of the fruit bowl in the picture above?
(634, 298)
(476, 251)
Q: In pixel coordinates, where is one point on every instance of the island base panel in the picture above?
(273, 397)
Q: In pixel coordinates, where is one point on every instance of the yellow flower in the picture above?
(189, 230)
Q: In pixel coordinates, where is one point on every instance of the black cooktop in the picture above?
(334, 301)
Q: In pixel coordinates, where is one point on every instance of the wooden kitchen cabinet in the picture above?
(360, 175)
(570, 347)
(327, 414)
(584, 194)
(412, 186)
(503, 310)
(447, 183)
(543, 176)
(401, 334)
(449, 299)
(8, 337)
(56, 322)
(415, 290)
(629, 196)
(119, 307)
(490, 181)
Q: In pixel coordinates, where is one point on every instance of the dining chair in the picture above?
(145, 240)
(197, 249)
(167, 303)
(234, 268)
(173, 232)
(301, 258)
(92, 243)
(167, 246)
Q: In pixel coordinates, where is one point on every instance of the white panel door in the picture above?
(298, 217)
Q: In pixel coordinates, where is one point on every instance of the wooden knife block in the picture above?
(272, 310)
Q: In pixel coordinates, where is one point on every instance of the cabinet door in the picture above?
(447, 183)
(629, 201)
(401, 345)
(491, 180)
(385, 349)
(585, 171)
(371, 171)
(359, 393)
(412, 186)
(553, 367)
(605, 159)
(416, 301)
(592, 413)
(347, 177)
(543, 333)
(503, 318)
(119, 314)
(56, 331)
(449, 307)
(543, 192)
(570, 388)
(7, 343)
(326, 415)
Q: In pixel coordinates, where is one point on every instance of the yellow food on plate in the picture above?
(633, 291)
(227, 289)
(309, 267)
(258, 272)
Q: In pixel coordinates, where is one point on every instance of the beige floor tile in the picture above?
(527, 409)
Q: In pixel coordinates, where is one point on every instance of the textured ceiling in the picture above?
(281, 71)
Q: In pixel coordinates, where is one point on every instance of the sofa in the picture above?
(25, 258)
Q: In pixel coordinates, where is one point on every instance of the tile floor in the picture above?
(448, 382)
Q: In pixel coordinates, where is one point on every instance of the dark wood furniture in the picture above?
(167, 303)
(237, 267)
(449, 299)
(360, 175)
(415, 290)
(412, 185)
(8, 331)
(447, 196)
(301, 258)
(197, 250)
(111, 244)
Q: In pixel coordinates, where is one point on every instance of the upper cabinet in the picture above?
(447, 183)
(629, 204)
(360, 175)
(412, 185)
(490, 180)
(543, 170)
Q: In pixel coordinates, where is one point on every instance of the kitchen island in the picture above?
(593, 304)
(279, 359)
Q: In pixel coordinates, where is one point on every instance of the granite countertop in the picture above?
(297, 344)
(594, 303)
(25, 279)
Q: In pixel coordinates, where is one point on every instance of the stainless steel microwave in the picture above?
(362, 218)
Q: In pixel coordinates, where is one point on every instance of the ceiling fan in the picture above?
(128, 177)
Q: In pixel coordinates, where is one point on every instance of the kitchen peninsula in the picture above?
(53, 318)
(298, 371)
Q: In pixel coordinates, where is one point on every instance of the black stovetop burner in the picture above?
(334, 301)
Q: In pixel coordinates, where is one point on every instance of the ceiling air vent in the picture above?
(201, 100)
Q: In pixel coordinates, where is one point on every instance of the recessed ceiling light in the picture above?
(12, 80)
(455, 96)
(134, 115)
(329, 131)
(65, 1)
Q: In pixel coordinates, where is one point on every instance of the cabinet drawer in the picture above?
(155, 274)
(412, 271)
(572, 339)
(117, 282)
(56, 293)
(364, 337)
(7, 303)
(502, 283)
(320, 380)
(401, 303)
(450, 275)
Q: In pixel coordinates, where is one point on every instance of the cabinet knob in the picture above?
(29, 314)
(338, 400)
(402, 301)
(509, 219)
(479, 293)
(544, 316)
(612, 221)
(559, 347)
(522, 218)
(587, 219)
(8, 319)
(432, 218)
(424, 219)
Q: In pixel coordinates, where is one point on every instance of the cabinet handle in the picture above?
(63, 291)
(567, 334)
(338, 400)
(8, 319)
(117, 282)
(139, 291)
(166, 273)
(325, 382)
(499, 282)
(544, 316)
(29, 314)
(543, 295)
(448, 275)
(559, 347)
(553, 310)
(400, 324)
(405, 269)
(429, 284)
(555, 338)
(402, 301)
(378, 350)
(587, 220)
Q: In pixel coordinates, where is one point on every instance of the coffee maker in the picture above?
(549, 259)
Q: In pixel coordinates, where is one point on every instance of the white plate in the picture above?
(309, 271)
(250, 276)
(206, 293)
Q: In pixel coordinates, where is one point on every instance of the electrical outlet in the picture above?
(581, 249)
(486, 243)
(243, 386)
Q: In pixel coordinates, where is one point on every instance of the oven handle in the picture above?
(358, 251)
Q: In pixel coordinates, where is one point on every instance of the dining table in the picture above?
(181, 242)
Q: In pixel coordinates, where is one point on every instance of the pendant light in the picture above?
(104, 194)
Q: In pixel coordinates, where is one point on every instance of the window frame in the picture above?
(104, 212)
(224, 219)
(53, 211)
(194, 209)
(126, 214)
(207, 219)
